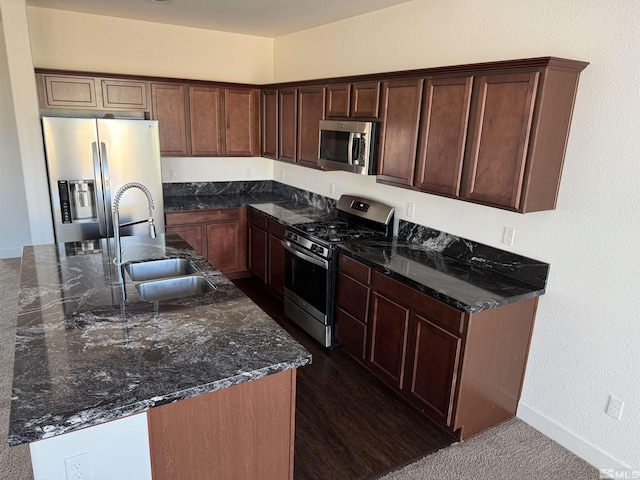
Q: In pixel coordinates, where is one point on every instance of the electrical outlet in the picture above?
(172, 174)
(411, 210)
(614, 407)
(332, 188)
(508, 235)
(78, 467)
(248, 173)
(282, 175)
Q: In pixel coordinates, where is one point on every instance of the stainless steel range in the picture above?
(311, 261)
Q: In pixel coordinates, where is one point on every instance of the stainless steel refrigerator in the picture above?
(88, 160)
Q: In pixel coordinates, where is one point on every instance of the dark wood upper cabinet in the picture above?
(338, 100)
(401, 101)
(124, 94)
(205, 121)
(287, 124)
(365, 100)
(242, 121)
(495, 163)
(270, 123)
(311, 104)
(169, 107)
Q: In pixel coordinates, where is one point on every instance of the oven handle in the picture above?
(316, 261)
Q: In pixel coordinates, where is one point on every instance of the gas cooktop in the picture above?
(335, 231)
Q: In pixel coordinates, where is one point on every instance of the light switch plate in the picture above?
(508, 236)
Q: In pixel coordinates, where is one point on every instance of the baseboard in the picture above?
(568, 439)
(11, 252)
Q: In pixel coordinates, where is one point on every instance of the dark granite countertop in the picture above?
(290, 212)
(465, 275)
(184, 203)
(84, 355)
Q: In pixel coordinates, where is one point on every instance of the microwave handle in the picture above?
(352, 142)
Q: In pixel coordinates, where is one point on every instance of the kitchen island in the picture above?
(89, 351)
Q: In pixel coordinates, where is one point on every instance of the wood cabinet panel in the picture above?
(226, 246)
(389, 328)
(69, 91)
(242, 116)
(399, 137)
(169, 107)
(287, 124)
(434, 365)
(311, 104)
(352, 297)
(194, 235)
(257, 243)
(270, 123)
(338, 100)
(351, 333)
(495, 161)
(205, 121)
(241, 432)
(121, 94)
(203, 216)
(443, 135)
(276, 268)
(365, 99)
(355, 269)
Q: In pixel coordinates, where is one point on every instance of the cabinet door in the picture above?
(399, 139)
(258, 252)
(365, 99)
(205, 115)
(338, 100)
(270, 123)
(389, 325)
(192, 234)
(68, 91)
(495, 160)
(242, 122)
(434, 354)
(169, 108)
(226, 246)
(287, 106)
(121, 94)
(443, 134)
(310, 111)
(276, 266)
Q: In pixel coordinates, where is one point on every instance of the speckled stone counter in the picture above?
(88, 350)
(464, 274)
(291, 213)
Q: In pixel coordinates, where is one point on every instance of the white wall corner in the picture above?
(568, 439)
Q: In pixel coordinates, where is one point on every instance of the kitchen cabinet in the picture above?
(311, 105)
(205, 121)
(58, 91)
(270, 123)
(218, 235)
(463, 370)
(266, 253)
(401, 101)
(287, 124)
(241, 122)
(443, 135)
(169, 107)
(358, 100)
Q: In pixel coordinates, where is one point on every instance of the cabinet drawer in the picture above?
(355, 269)
(203, 216)
(276, 229)
(258, 220)
(353, 297)
(440, 313)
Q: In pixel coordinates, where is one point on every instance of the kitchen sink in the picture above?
(155, 269)
(176, 287)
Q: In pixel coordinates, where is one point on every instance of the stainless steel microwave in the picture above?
(349, 146)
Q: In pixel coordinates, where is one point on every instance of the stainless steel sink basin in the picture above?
(154, 269)
(177, 287)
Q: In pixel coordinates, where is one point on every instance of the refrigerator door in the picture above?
(75, 181)
(130, 152)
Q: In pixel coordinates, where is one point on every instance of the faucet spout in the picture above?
(116, 219)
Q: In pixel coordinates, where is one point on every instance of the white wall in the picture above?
(13, 204)
(586, 343)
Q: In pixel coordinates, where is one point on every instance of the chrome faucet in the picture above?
(116, 220)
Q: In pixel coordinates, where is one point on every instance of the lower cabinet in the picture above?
(266, 253)
(218, 235)
(463, 370)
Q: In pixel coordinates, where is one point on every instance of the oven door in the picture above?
(307, 291)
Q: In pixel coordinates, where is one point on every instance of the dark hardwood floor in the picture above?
(349, 425)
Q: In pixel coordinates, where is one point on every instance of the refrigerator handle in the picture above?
(99, 187)
(107, 189)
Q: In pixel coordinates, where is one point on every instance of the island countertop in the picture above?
(88, 350)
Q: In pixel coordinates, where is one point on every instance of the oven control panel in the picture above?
(360, 206)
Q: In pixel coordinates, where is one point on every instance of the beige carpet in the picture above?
(512, 451)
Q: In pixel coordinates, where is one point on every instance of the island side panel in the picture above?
(245, 431)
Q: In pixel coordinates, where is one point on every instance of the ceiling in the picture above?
(264, 18)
